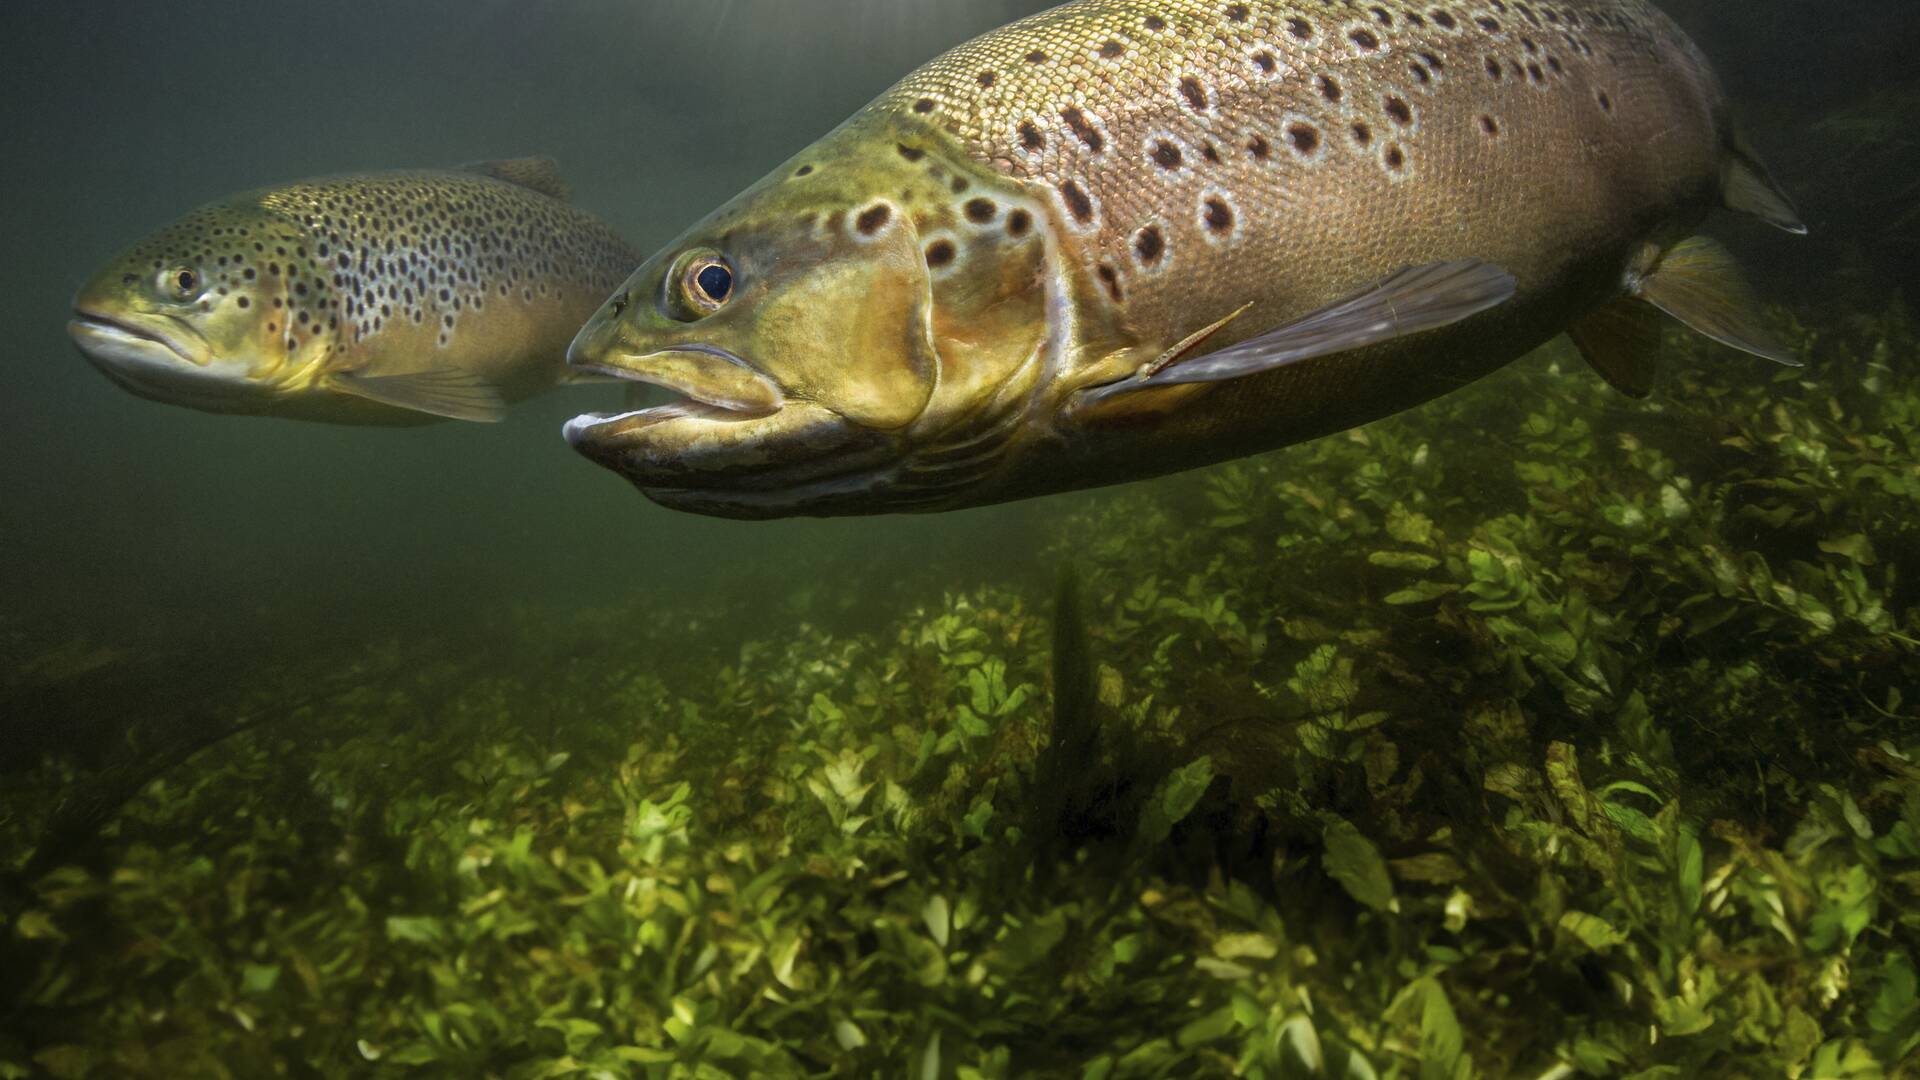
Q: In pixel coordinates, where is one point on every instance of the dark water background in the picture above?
(176, 542)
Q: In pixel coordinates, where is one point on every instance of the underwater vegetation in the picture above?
(1535, 733)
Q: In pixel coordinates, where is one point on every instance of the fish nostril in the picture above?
(619, 304)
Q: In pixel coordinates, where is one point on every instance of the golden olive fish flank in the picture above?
(1119, 239)
(379, 298)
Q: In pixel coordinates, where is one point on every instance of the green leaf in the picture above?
(419, 929)
(1896, 1008)
(1206, 1029)
(259, 978)
(1403, 560)
(1353, 861)
(1174, 799)
(1420, 593)
(1856, 547)
(1592, 931)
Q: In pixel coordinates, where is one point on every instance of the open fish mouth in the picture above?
(708, 383)
(103, 335)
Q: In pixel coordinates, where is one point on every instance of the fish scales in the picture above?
(1243, 150)
(416, 258)
(392, 297)
(1122, 238)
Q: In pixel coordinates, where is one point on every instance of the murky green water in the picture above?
(1536, 730)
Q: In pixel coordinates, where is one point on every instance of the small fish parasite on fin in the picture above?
(1622, 342)
(1699, 284)
(448, 392)
(1747, 186)
(539, 174)
(1410, 301)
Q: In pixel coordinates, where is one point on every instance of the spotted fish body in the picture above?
(1112, 192)
(386, 298)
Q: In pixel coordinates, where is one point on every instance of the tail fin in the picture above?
(1747, 186)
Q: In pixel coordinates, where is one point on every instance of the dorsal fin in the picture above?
(1747, 186)
(534, 173)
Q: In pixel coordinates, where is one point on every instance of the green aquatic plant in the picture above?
(1572, 739)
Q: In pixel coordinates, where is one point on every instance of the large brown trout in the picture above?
(385, 298)
(1122, 238)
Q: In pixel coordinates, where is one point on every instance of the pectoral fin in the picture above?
(1699, 283)
(448, 392)
(1622, 342)
(1410, 301)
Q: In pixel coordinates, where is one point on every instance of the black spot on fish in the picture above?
(1606, 100)
(1362, 132)
(1300, 28)
(981, 211)
(1365, 40)
(1304, 138)
(1396, 158)
(1238, 13)
(1382, 16)
(1030, 136)
(911, 153)
(244, 302)
(1260, 148)
(1149, 245)
(1018, 223)
(1490, 25)
(1079, 204)
(1111, 278)
(1494, 70)
(1329, 88)
(1155, 23)
(1490, 126)
(1217, 214)
(924, 105)
(804, 170)
(1194, 93)
(1112, 50)
(988, 78)
(1036, 57)
(1212, 155)
(1077, 123)
(940, 253)
(873, 218)
(1165, 154)
(1400, 111)
(1265, 62)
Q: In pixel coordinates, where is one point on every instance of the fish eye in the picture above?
(182, 282)
(702, 285)
(715, 282)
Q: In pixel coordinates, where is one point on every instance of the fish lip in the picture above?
(698, 400)
(91, 321)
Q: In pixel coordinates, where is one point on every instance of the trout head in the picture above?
(860, 332)
(196, 314)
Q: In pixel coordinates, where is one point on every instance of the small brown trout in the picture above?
(1123, 238)
(384, 298)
